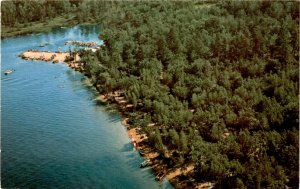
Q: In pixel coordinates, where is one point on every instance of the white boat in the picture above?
(8, 72)
(145, 163)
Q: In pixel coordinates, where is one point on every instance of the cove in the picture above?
(54, 133)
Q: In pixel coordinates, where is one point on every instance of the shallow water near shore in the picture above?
(54, 134)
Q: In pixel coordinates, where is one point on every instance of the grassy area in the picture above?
(41, 26)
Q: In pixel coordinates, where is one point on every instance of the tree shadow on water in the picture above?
(128, 147)
(113, 115)
(113, 119)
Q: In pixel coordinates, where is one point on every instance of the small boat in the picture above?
(159, 177)
(6, 72)
(145, 163)
(142, 153)
(42, 45)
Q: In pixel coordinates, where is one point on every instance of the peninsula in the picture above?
(138, 137)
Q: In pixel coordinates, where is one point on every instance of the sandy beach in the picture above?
(47, 56)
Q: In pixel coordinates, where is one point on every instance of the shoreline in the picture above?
(37, 27)
(42, 26)
(139, 139)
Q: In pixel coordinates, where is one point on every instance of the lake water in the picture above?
(54, 134)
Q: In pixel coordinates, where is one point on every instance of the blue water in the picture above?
(54, 133)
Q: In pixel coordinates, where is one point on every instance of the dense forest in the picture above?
(22, 17)
(26, 12)
(220, 80)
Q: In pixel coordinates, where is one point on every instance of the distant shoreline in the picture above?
(39, 26)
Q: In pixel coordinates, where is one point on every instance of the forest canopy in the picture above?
(220, 80)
